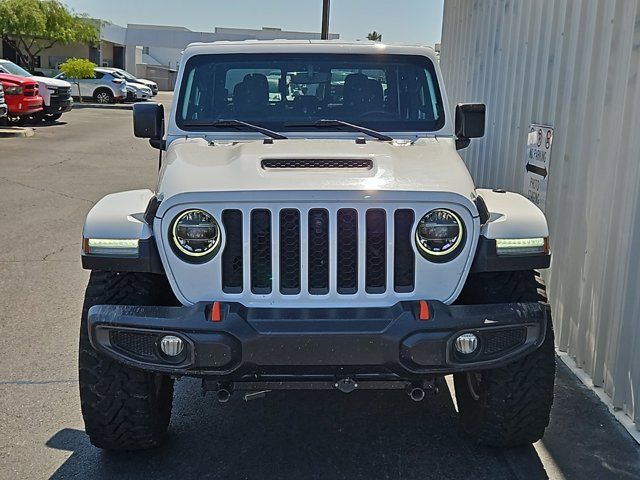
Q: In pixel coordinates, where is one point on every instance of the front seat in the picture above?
(252, 94)
(362, 94)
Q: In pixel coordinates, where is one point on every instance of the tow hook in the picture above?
(417, 392)
(346, 385)
(223, 395)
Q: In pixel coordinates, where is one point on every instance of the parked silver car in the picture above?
(106, 87)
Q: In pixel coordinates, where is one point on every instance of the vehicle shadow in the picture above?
(366, 435)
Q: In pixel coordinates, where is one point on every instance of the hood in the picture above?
(137, 86)
(52, 82)
(16, 80)
(147, 82)
(427, 165)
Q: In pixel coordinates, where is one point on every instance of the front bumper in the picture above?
(250, 342)
(59, 105)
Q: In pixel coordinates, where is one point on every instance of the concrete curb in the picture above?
(6, 132)
(115, 106)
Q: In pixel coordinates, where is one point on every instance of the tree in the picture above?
(77, 69)
(375, 36)
(31, 26)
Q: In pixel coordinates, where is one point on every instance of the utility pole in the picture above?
(324, 35)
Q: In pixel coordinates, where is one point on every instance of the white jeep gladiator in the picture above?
(313, 227)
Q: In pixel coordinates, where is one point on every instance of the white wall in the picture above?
(574, 65)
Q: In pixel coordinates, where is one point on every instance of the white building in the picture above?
(148, 51)
(153, 51)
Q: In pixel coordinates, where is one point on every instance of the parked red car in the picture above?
(21, 95)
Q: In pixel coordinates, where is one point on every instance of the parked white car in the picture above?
(130, 78)
(137, 91)
(56, 93)
(104, 88)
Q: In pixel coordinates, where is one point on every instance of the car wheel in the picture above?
(53, 117)
(103, 96)
(123, 408)
(508, 406)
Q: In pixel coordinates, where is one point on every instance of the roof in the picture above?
(304, 46)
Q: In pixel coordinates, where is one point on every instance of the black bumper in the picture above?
(250, 342)
(58, 105)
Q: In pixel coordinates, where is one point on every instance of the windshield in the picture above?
(125, 75)
(392, 93)
(14, 69)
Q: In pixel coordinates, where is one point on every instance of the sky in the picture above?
(404, 21)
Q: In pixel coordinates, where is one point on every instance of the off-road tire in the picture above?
(104, 96)
(123, 408)
(508, 406)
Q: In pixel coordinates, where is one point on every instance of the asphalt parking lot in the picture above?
(48, 183)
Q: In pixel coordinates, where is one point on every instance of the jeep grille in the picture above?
(334, 244)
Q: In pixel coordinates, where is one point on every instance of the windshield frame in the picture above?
(414, 127)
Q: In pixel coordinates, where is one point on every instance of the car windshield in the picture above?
(393, 93)
(126, 75)
(14, 69)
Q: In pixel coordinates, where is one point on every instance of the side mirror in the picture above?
(148, 122)
(470, 119)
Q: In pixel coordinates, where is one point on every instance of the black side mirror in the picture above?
(470, 119)
(148, 122)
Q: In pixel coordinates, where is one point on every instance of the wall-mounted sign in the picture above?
(536, 175)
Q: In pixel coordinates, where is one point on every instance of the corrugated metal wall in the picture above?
(574, 65)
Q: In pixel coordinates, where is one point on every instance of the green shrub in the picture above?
(78, 68)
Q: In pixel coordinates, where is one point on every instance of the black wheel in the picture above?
(123, 408)
(508, 406)
(103, 95)
(53, 117)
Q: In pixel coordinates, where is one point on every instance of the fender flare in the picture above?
(509, 215)
(121, 216)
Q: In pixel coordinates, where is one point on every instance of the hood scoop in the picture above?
(317, 163)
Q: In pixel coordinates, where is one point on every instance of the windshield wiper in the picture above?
(340, 123)
(237, 124)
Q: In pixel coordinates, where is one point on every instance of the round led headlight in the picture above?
(439, 235)
(195, 234)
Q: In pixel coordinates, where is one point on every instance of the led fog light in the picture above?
(171, 345)
(466, 343)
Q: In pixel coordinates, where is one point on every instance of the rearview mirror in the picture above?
(470, 119)
(148, 122)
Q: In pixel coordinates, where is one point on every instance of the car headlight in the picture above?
(195, 235)
(13, 90)
(439, 235)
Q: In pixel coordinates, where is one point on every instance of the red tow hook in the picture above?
(425, 314)
(215, 312)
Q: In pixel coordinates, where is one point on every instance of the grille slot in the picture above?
(376, 251)
(318, 251)
(289, 251)
(261, 251)
(232, 255)
(347, 251)
(295, 163)
(503, 340)
(140, 344)
(403, 255)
